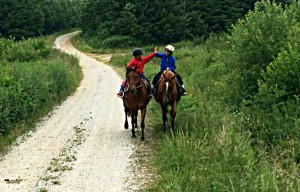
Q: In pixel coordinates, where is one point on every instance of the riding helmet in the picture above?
(137, 51)
(170, 48)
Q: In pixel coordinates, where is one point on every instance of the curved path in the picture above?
(82, 146)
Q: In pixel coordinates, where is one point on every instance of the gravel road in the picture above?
(82, 145)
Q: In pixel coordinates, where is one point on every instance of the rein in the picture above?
(138, 86)
(136, 82)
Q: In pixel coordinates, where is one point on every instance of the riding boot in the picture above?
(121, 92)
(152, 90)
(183, 91)
(180, 86)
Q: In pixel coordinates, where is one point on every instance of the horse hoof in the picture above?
(133, 136)
(142, 138)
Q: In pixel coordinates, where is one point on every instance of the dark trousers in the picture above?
(149, 84)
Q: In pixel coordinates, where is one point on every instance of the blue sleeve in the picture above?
(160, 55)
(173, 64)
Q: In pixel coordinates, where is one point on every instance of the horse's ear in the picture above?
(174, 76)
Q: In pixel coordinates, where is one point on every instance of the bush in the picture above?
(281, 81)
(28, 89)
(253, 44)
(26, 50)
(117, 42)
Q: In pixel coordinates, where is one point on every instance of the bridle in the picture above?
(138, 83)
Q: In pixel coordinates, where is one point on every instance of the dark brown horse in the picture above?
(168, 94)
(136, 98)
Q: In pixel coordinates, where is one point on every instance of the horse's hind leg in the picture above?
(135, 122)
(173, 115)
(126, 114)
(133, 119)
(143, 115)
(164, 117)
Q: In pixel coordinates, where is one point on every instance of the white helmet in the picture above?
(170, 48)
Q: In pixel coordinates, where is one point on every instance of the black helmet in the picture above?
(137, 51)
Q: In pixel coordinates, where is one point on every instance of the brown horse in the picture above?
(168, 94)
(136, 98)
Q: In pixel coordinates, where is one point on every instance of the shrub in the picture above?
(253, 44)
(117, 42)
(33, 79)
(281, 80)
(26, 50)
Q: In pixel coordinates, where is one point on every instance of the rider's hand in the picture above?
(156, 49)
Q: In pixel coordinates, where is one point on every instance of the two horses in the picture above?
(137, 98)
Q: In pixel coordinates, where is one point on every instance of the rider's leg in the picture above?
(155, 82)
(181, 85)
(148, 81)
(121, 91)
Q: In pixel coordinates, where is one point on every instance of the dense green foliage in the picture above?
(33, 78)
(132, 22)
(23, 19)
(238, 128)
(262, 62)
(255, 42)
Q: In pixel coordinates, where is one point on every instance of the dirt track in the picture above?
(82, 145)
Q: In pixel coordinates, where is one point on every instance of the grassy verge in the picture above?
(34, 78)
(211, 150)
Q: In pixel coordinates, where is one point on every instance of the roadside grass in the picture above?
(33, 79)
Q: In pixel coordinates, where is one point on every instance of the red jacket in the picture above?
(140, 64)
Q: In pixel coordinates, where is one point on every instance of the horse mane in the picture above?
(168, 74)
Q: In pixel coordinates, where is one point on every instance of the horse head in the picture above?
(133, 79)
(168, 85)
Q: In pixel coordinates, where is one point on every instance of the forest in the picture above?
(23, 19)
(238, 127)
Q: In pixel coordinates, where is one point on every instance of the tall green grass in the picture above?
(33, 79)
(213, 147)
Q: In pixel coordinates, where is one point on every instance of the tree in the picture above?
(253, 44)
(21, 18)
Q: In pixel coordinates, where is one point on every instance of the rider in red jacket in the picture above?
(139, 62)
